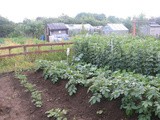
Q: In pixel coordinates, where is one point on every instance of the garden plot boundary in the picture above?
(37, 49)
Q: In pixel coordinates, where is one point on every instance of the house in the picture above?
(115, 28)
(56, 31)
(152, 29)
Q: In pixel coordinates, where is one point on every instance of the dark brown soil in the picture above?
(15, 103)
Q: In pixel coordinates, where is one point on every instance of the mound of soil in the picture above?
(15, 103)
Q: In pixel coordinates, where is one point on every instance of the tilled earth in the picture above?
(15, 102)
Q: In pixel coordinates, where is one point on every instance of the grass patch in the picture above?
(27, 61)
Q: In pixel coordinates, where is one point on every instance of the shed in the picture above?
(152, 29)
(57, 30)
(115, 28)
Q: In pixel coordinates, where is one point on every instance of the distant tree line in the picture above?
(35, 28)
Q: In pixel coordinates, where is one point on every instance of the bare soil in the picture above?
(15, 102)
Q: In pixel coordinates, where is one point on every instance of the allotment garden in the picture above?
(102, 78)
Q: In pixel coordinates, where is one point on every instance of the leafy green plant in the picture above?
(76, 74)
(120, 53)
(58, 114)
(138, 93)
(36, 98)
(1, 41)
(35, 94)
(99, 112)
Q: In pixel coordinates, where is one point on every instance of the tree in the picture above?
(128, 23)
(93, 19)
(113, 19)
(66, 19)
(6, 27)
(18, 30)
(31, 28)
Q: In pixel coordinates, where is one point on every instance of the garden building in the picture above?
(152, 29)
(56, 31)
(115, 28)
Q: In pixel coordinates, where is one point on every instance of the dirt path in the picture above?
(11, 102)
(15, 103)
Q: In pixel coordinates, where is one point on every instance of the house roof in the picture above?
(117, 26)
(57, 26)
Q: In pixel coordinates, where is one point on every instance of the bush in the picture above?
(120, 53)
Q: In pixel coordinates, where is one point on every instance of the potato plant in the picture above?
(35, 94)
(138, 93)
(76, 74)
(58, 114)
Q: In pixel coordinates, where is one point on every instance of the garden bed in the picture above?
(15, 102)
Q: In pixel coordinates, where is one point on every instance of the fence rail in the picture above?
(37, 51)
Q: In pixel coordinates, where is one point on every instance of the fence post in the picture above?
(38, 47)
(9, 51)
(25, 50)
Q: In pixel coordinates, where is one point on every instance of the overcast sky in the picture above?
(17, 10)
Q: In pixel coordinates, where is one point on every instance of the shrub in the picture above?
(120, 53)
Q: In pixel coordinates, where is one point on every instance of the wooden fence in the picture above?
(38, 50)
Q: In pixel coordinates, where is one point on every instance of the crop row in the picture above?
(35, 94)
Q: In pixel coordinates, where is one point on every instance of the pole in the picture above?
(134, 28)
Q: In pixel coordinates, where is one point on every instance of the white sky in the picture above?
(17, 10)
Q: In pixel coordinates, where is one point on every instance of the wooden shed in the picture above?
(152, 29)
(56, 30)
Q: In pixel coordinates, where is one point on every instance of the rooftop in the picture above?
(117, 26)
(56, 26)
(154, 25)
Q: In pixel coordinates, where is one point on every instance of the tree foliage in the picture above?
(113, 19)
(6, 27)
(93, 19)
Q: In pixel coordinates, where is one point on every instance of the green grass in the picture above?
(25, 62)
(1, 40)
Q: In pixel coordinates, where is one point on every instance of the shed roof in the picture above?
(154, 25)
(117, 26)
(57, 26)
